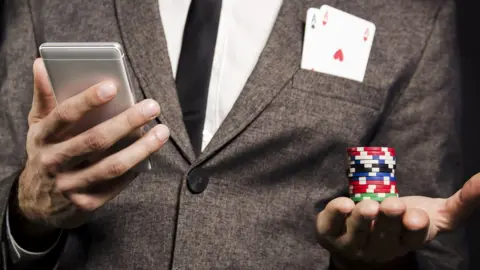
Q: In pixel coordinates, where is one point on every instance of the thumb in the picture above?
(43, 98)
(460, 205)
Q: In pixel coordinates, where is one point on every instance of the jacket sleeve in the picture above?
(13, 255)
(420, 121)
(19, 255)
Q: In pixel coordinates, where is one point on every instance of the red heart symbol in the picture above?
(338, 55)
(325, 18)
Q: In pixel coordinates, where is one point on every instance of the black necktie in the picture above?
(195, 65)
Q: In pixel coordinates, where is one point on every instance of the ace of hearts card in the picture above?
(337, 43)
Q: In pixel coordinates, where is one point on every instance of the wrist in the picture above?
(30, 235)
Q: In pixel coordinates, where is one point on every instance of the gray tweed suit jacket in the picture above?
(277, 159)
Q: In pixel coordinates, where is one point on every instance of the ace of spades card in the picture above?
(337, 43)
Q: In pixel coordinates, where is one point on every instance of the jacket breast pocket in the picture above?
(339, 88)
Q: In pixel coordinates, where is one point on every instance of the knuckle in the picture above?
(48, 160)
(117, 169)
(59, 185)
(89, 100)
(96, 141)
(63, 156)
(89, 180)
(86, 203)
(133, 118)
(31, 117)
(63, 113)
(35, 132)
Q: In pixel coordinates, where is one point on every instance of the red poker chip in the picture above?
(379, 183)
(372, 182)
(368, 190)
(371, 153)
(371, 186)
(371, 148)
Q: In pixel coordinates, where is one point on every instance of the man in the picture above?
(247, 148)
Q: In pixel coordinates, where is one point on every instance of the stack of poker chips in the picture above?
(371, 173)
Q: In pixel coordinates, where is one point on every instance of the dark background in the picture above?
(469, 44)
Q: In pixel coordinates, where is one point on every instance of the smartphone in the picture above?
(74, 67)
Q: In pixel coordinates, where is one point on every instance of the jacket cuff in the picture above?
(17, 253)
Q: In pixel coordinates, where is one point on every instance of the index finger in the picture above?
(74, 108)
(331, 221)
(359, 223)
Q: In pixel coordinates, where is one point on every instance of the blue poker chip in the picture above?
(372, 158)
(382, 174)
(373, 161)
(372, 178)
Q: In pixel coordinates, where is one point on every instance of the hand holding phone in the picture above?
(57, 197)
(74, 67)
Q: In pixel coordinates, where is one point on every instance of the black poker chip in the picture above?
(369, 166)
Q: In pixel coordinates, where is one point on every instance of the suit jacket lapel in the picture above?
(146, 48)
(276, 66)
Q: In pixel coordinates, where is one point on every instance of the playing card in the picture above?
(337, 43)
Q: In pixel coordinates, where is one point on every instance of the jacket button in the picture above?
(197, 180)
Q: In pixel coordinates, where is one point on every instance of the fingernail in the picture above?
(106, 90)
(150, 108)
(162, 133)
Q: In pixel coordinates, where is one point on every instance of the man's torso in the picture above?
(276, 159)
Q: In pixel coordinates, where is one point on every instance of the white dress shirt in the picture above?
(244, 28)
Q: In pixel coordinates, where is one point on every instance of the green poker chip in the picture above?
(372, 196)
